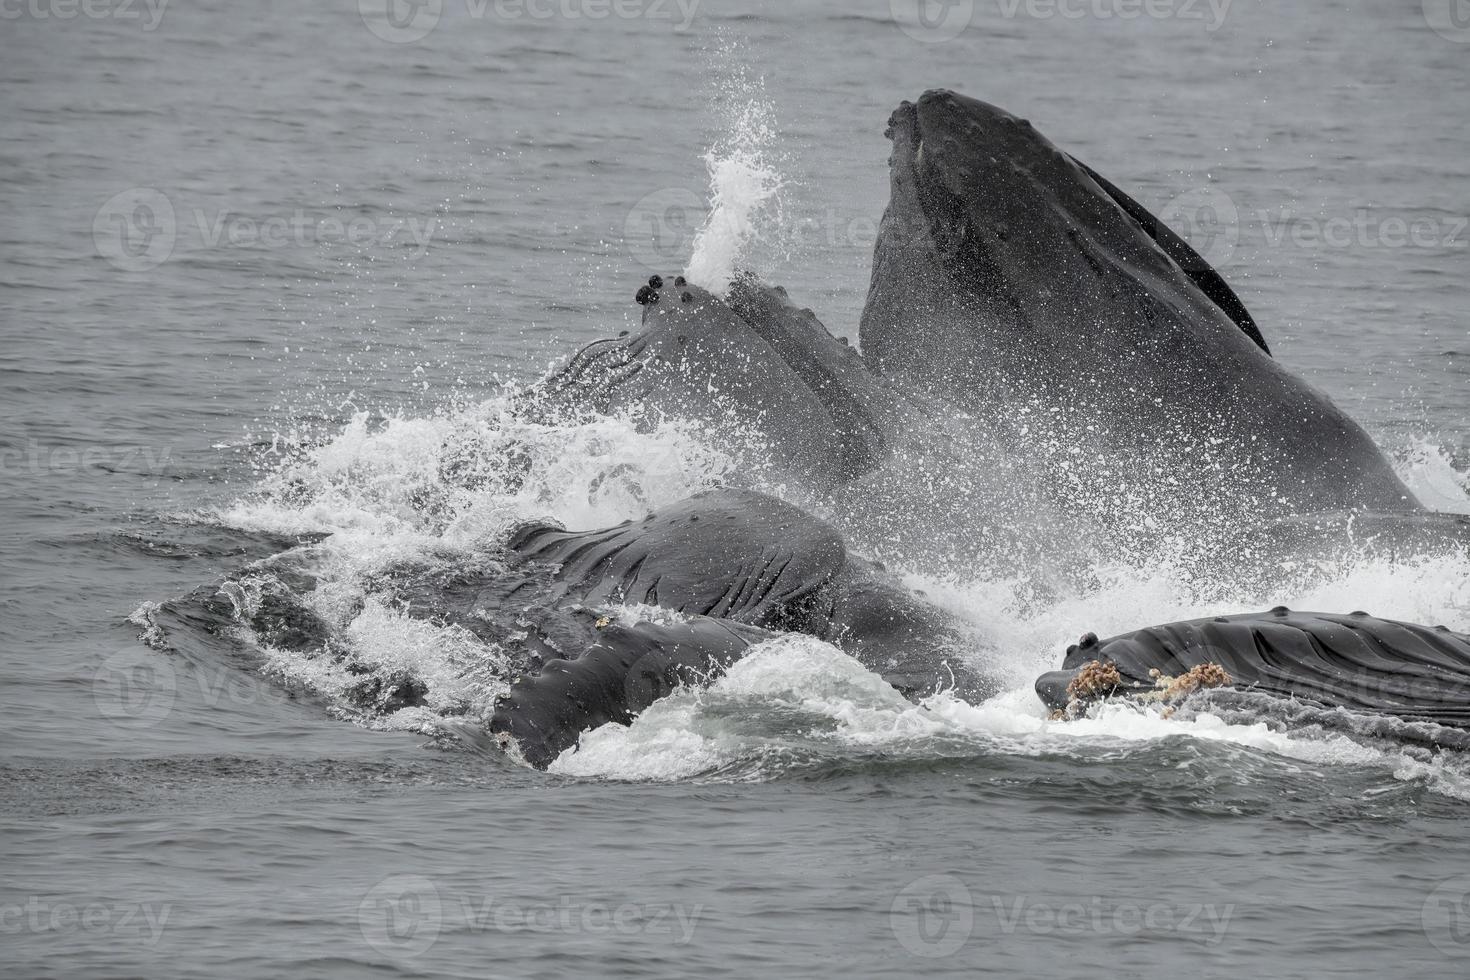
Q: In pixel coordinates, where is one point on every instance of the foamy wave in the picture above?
(463, 477)
(1025, 633)
(798, 699)
(445, 667)
(443, 490)
(437, 493)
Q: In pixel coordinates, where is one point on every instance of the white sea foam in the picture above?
(462, 477)
(823, 702)
(445, 488)
(849, 709)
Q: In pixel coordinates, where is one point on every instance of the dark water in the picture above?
(230, 229)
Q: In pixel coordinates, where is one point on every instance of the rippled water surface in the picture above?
(250, 249)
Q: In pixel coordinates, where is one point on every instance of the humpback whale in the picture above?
(1048, 378)
(1369, 665)
(742, 568)
(1016, 293)
(1012, 280)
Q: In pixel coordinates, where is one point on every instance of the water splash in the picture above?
(745, 183)
(798, 703)
(1429, 470)
(442, 488)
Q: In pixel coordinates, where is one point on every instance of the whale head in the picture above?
(995, 240)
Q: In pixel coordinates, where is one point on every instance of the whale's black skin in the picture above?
(1006, 278)
(730, 554)
(742, 556)
(625, 669)
(618, 677)
(1358, 662)
(1200, 272)
(737, 556)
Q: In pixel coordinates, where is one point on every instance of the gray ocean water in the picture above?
(238, 238)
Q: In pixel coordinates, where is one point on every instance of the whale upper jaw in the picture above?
(1031, 238)
(1011, 279)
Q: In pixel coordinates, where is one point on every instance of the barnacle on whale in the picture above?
(1200, 678)
(1098, 680)
(1095, 679)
